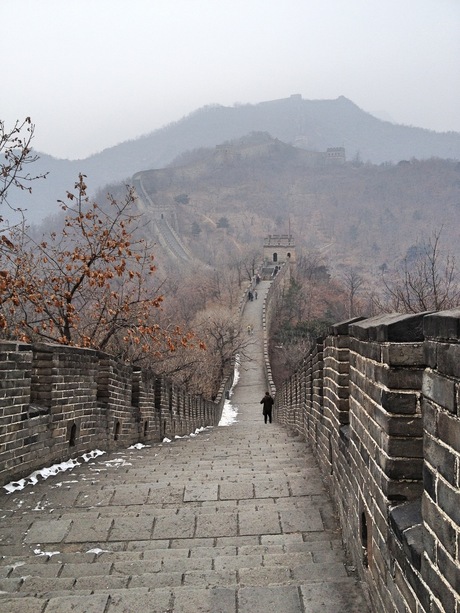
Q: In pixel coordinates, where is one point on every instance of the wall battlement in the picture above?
(379, 402)
(58, 402)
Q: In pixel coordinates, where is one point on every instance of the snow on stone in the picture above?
(98, 551)
(39, 552)
(230, 412)
(50, 471)
(138, 446)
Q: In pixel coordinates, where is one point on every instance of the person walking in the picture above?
(267, 401)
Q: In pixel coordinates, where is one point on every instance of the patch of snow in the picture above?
(50, 471)
(39, 507)
(117, 462)
(230, 412)
(17, 565)
(138, 446)
(98, 551)
(92, 454)
(39, 552)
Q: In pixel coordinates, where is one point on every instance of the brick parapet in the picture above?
(386, 432)
(58, 402)
(441, 496)
(272, 300)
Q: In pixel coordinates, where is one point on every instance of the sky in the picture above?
(94, 73)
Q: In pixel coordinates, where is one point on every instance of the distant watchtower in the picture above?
(279, 249)
(336, 155)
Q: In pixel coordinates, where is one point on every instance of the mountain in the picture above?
(223, 200)
(313, 125)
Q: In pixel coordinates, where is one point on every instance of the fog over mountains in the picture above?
(313, 125)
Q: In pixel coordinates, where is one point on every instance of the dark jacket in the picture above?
(267, 401)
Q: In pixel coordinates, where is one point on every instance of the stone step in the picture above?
(228, 571)
(235, 520)
(189, 598)
(206, 556)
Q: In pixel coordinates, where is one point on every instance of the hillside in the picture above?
(359, 215)
(312, 125)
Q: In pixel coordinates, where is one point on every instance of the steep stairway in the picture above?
(234, 519)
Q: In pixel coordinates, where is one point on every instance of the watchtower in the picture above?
(279, 249)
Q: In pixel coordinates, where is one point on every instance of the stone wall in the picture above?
(59, 402)
(270, 307)
(379, 402)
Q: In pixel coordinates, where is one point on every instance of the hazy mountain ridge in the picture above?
(360, 215)
(309, 124)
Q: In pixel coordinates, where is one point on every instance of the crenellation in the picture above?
(443, 326)
(400, 401)
(59, 402)
(441, 459)
(404, 354)
(388, 439)
(377, 401)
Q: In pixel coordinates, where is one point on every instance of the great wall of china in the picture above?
(378, 401)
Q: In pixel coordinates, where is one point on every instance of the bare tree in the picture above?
(15, 155)
(426, 282)
(353, 282)
(221, 330)
(90, 285)
(245, 264)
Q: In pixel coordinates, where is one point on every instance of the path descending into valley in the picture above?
(233, 520)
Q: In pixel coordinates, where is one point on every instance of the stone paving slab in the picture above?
(235, 520)
(259, 522)
(130, 528)
(82, 530)
(133, 601)
(22, 605)
(217, 525)
(199, 600)
(130, 494)
(95, 603)
(341, 595)
(201, 492)
(271, 599)
(51, 531)
(156, 580)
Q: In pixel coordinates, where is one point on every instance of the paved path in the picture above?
(234, 520)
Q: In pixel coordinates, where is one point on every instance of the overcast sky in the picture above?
(94, 73)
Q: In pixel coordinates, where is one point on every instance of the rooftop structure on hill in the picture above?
(279, 249)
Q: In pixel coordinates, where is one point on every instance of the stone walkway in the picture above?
(234, 520)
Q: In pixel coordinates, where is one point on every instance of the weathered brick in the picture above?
(444, 325)
(437, 523)
(402, 446)
(404, 354)
(448, 359)
(448, 499)
(440, 458)
(400, 378)
(449, 430)
(438, 585)
(403, 469)
(399, 402)
(429, 481)
(439, 389)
